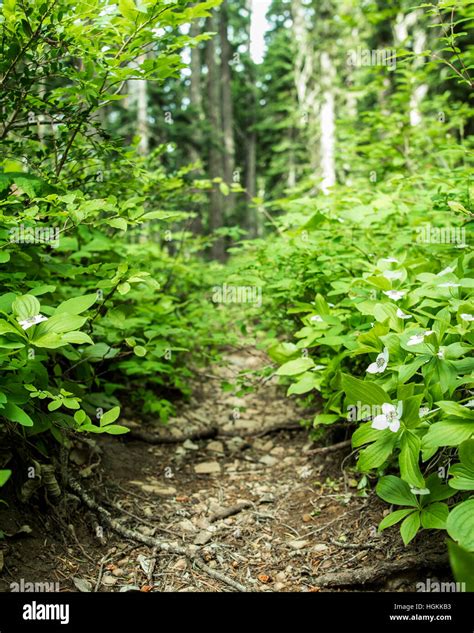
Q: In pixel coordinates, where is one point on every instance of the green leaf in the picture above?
(363, 391)
(116, 429)
(306, 383)
(448, 433)
(409, 460)
(410, 527)
(76, 305)
(456, 410)
(59, 323)
(110, 416)
(365, 434)
(462, 564)
(80, 416)
(139, 350)
(4, 476)
(79, 338)
(395, 491)
(377, 453)
(394, 517)
(25, 307)
(295, 367)
(460, 524)
(118, 223)
(13, 412)
(434, 516)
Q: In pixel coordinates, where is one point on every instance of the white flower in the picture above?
(416, 339)
(380, 364)
(316, 319)
(395, 294)
(446, 271)
(448, 284)
(389, 418)
(390, 260)
(393, 274)
(318, 367)
(469, 404)
(467, 317)
(441, 352)
(30, 321)
(402, 315)
(424, 411)
(419, 491)
(331, 305)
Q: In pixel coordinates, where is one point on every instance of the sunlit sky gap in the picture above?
(258, 28)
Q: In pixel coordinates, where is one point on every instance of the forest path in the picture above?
(266, 511)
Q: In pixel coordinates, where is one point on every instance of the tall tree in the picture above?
(215, 137)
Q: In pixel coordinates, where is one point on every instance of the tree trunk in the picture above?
(214, 158)
(141, 99)
(304, 80)
(327, 124)
(195, 95)
(227, 105)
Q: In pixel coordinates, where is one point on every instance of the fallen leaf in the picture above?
(264, 578)
(146, 588)
(82, 585)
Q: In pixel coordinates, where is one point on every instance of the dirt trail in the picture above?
(265, 511)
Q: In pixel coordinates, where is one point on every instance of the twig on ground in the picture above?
(228, 512)
(352, 545)
(156, 544)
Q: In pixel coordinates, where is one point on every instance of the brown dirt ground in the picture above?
(305, 515)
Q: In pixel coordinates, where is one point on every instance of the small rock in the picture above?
(187, 526)
(180, 564)
(215, 447)
(278, 451)
(267, 447)
(117, 572)
(280, 576)
(203, 537)
(319, 548)
(278, 586)
(298, 544)
(190, 446)
(207, 468)
(162, 491)
(268, 460)
(108, 580)
(307, 518)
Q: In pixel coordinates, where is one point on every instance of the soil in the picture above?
(296, 516)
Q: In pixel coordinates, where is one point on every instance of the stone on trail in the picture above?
(207, 468)
(268, 460)
(298, 544)
(215, 447)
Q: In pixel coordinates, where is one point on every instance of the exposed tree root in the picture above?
(228, 512)
(155, 438)
(157, 545)
(380, 570)
(206, 434)
(324, 450)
